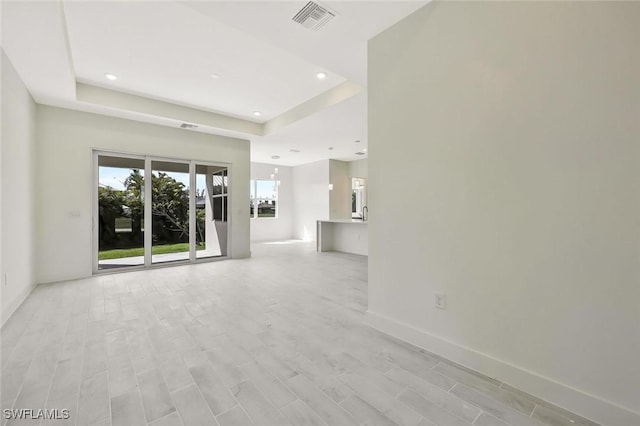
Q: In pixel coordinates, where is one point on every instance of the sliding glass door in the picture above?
(184, 205)
(169, 211)
(120, 194)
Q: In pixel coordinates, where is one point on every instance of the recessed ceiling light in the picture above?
(111, 76)
(294, 150)
(357, 141)
(359, 153)
(214, 75)
(321, 75)
(257, 113)
(275, 157)
(330, 148)
(364, 149)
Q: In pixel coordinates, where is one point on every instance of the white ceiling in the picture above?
(337, 127)
(167, 51)
(340, 46)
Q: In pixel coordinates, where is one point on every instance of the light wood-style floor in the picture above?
(274, 340)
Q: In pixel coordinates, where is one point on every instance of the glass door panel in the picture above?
(169, 211)
(212, 190)
(120, 212)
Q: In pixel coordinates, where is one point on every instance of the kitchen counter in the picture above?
(348, 236)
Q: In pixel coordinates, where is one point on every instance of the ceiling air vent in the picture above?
(188, 126)
(313, 16)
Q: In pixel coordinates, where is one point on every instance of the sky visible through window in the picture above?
(266, 190)
(115, 177)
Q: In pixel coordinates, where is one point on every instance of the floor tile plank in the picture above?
(364, 413)
(400, 413)
(155, 395)
(192, 407)
(234, 417)
(430, 410)
(93, 404)
(300, 414)
(328, 410)
(493, 406)
(126, 410)
(215, 392)
(257, 406)
(433, 393)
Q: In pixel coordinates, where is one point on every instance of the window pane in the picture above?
(120, 212)
(267, 208)
(266, 189)
(266, 196)
(252, 196)
(220, 209)
(218, 183)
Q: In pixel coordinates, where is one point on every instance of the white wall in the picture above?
(2, 59)
(358, 168)
(17, 190)
(65, 140)
(310, 198)
(340, 195)
(515, 129)
(280, 228)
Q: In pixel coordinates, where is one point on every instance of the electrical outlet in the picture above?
(440, 300)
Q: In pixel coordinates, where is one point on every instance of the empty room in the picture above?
(320, 213)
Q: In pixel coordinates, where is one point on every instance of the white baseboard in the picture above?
(589, 406)
(14, 305)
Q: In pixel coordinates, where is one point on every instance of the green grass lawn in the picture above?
(132, 252)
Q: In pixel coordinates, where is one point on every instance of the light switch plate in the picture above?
(440, 300)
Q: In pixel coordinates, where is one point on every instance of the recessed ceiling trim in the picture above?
(325, 100)
(138, 104)
(135, 104)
